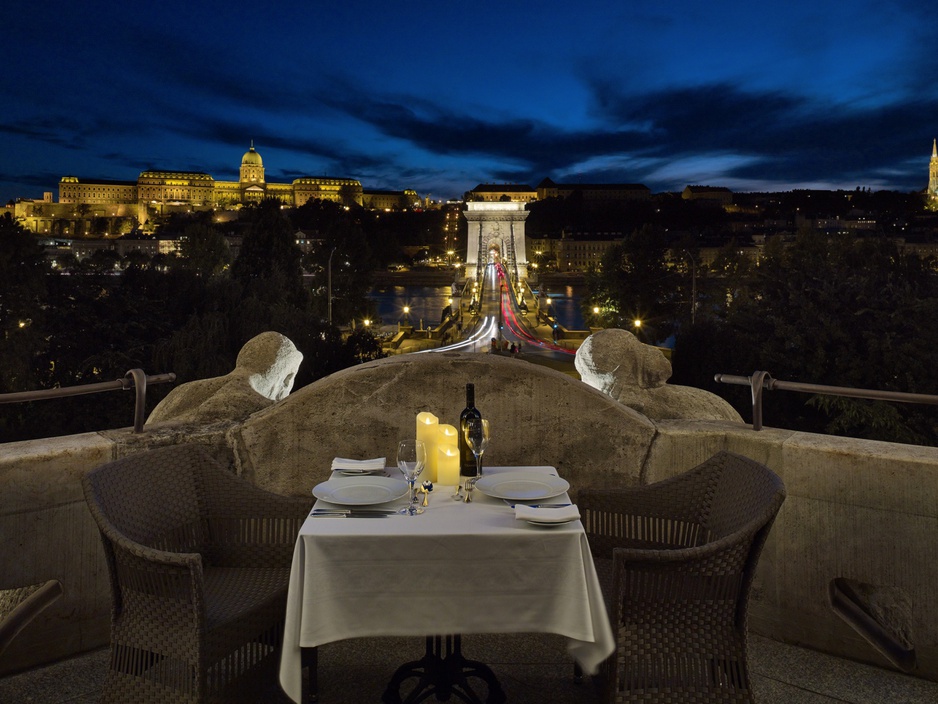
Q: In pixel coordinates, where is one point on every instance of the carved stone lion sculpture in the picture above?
(635, 374)
(263, 374)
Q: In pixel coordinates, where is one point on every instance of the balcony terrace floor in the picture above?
(533, 669)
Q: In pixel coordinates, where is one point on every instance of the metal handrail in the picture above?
(135, 377)
(760, 381)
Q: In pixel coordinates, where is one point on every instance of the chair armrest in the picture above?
(159, 578)
(638, 517)
(683, 496)
(718, 571)
(255, 528)
(24, 612)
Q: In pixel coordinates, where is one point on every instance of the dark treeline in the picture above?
(88, 321)
(835, 309)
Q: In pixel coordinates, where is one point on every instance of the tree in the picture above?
(343, 243)
(269, 261)
(204, 250)
(23, 301)
(635, 282)
(104, 260)
(842, 311)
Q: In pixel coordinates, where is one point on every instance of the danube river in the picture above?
(426, 304)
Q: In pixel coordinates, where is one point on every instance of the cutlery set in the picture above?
(352, 512)
(385, 512)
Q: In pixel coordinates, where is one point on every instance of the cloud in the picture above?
(48, 130)
(765, 136)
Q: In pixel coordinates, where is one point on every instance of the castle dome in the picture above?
(251, 157)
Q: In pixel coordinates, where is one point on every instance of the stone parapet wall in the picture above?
(858, 509)
(48, 533)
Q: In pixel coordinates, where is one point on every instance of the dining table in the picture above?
(457, 568)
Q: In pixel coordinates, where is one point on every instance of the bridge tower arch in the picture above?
(500, 224)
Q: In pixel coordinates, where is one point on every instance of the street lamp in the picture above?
(693, 295)
(329, 285)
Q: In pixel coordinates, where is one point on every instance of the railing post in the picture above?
(756, 383)
(140, 388)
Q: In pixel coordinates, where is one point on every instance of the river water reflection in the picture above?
(426, 304)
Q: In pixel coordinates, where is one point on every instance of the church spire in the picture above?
(933, 172)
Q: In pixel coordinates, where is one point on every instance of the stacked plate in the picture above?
(360, 491)
(522, 486)
(530, 486)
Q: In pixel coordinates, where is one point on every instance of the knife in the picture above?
(353, 511)
(540, 505)
(349, 514)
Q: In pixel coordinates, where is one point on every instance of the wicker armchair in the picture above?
(199, 562)
(676, 560)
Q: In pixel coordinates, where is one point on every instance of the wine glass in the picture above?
(477, 438)
(411, 457)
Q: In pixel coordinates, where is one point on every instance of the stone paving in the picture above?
(532, 669)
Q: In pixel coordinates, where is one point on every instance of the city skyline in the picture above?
(438, 99)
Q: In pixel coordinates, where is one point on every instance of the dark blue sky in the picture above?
(442, 96)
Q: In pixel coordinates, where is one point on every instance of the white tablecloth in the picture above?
(457, 568)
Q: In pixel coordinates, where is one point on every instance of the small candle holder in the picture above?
(425, 489)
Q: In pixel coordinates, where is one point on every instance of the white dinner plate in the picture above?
(564, 522)
(355, 491)
(522, 486)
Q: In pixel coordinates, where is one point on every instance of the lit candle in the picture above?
(447, 465)
(427, 425)
(443, 435)
(446, 435)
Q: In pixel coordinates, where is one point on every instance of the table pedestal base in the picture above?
(444, 672)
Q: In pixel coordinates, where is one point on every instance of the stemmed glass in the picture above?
(411, 457)
(477, 438)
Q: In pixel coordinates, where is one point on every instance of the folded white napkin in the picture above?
(561, 514)
(372, 465)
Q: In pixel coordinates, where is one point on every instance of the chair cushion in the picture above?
(232, 592)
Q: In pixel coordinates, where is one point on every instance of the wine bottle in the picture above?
(467, 460)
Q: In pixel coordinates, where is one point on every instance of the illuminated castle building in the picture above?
(158, 193)
(195, 188)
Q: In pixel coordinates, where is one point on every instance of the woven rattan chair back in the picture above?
(677, 560)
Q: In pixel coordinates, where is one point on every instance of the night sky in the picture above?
(442, 96)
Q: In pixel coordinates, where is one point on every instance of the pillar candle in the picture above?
(443, 434)
(427, 425)
(447, 465)
(446, 435)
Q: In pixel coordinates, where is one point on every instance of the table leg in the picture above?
(444, 672)
(310, 662)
